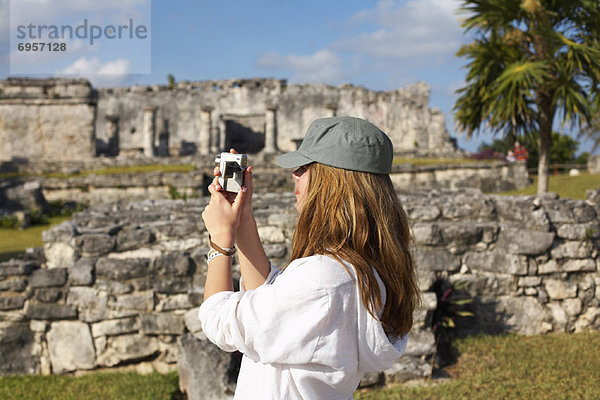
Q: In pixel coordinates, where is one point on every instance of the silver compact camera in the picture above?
(232, 167)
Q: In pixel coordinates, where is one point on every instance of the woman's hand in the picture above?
(247, 206)
(223, 213)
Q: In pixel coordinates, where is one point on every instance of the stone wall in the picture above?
(118, 284)
(93, 190)
(593, 164)
(47, 119)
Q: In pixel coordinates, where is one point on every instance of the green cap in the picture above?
(343, 142)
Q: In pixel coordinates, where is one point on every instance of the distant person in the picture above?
(510, 156)
(344, 304)
(520, 151)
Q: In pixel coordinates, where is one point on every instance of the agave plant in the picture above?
(452, 300)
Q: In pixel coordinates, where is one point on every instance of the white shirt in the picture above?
(305, 333)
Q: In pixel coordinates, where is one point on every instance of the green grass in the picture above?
(102, 385)
(544, 367)
(132, 169)
(561, 366)
(14, 241)
(438, 161)
(571, 187)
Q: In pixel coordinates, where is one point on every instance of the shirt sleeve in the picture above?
(278, 322)
(270, 278)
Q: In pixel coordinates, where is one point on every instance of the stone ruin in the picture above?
(119, 284)
(67, 119)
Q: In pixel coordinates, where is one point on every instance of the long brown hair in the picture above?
(357, 217)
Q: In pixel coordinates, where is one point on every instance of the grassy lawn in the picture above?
(561, 366)
(132, 169)
(571, 187)
(514, 367)
(14, 241)
(438, 161)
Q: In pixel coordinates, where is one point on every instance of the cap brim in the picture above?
(293, 159)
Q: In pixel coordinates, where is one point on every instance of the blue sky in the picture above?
(382, 45)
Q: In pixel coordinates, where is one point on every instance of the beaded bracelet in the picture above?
(212, 253)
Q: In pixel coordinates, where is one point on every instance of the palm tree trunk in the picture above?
(544, 143)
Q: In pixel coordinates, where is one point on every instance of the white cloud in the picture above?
(417, 28)
(111, 73)
(322, 66)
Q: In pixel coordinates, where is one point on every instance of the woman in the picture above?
(344, 304)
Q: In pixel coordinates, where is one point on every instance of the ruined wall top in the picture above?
(46, 91)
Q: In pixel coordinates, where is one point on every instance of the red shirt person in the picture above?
(520, 152)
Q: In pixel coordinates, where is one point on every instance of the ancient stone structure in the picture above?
(121, 283)
(593, 165)
(58, 119)
(51, 119)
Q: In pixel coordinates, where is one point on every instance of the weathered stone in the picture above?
(115, 327)
(114, 269)
(433, 259)
(549, 267)
(422, 213)
(60, 255)
(63, 232)
(495, 261)
(51, 311)
(579, 265)
(129, 239)
(572, 306)
(162, 324)
(17, 267)
(173, 264)
(464, 205)
(589, 320)
(48, 277)
(174, 302)
(82, 273)
(205, 371)
(143, 301)
(95, 244)
(173, 285)
(485, 284)
(87, 298)
(572, 249)
(143, 252)
(522, 315)
(70, 346)
(271, 234)
(191, 320)
(11, 303)
(113, 287)
(428, 301)
(134, 347)
(461, 234)
(558, 290)
(420, 342)
(275, 250)
(427, 234)
(13, 285)
(559, 317)
(579, 231)
(92, 316)
(371, 379)
(522, 241)
(175, 228)
(18, 350)
(529, 281)
(48, 295)
(407, 368)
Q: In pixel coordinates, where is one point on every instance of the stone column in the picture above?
(112, 130)
(270, 129)
(331, 110)
(215, 139)
(149, 130)
(205, 128)
(222, 135)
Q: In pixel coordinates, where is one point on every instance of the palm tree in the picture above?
(530, 61)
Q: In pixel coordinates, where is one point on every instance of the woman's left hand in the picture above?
(222, 216)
